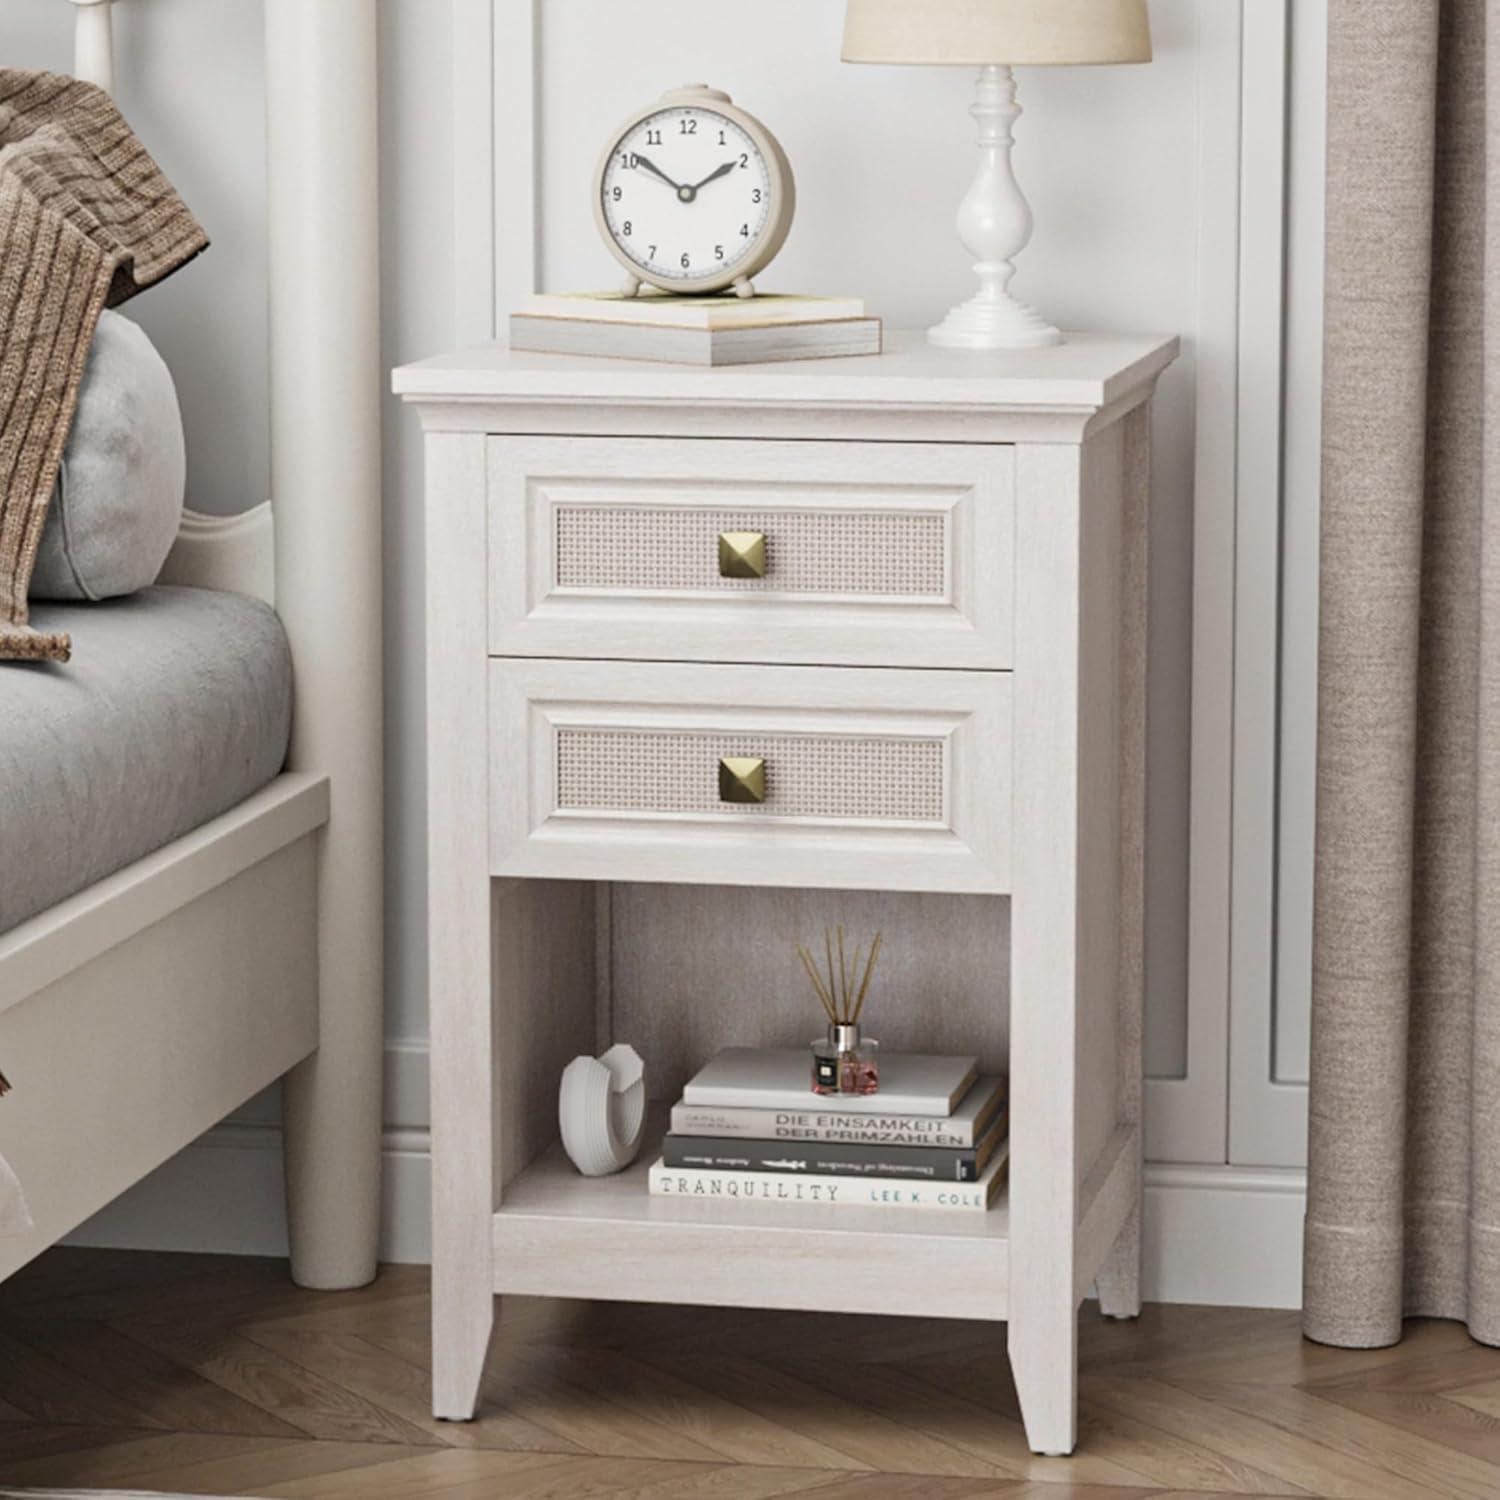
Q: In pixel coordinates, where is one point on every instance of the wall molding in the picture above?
(1226, 1236)
(1186, 1117)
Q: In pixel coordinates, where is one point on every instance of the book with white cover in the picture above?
(912, 1196)
(753, 344)
(824, 1119)
(911, 1083)
(667, 310)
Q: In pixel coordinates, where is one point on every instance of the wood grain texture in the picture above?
(1050, 952)
(1119, 1277)
(942, 984)
(466, 1148)
(623, 664)
(1076, 379)
(560, 1235)
(268, 1390)
(962, 845)
(182, 1011)
(818, 500)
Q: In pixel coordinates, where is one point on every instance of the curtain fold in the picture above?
(1403, 1214)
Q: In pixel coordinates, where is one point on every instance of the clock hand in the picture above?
(656, 171)
(728, 166)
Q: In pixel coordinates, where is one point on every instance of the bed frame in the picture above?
(140, 1012)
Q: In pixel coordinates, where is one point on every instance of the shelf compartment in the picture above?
(562, 1235)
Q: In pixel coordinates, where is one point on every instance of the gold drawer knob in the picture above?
(742, 778)
(742, 554)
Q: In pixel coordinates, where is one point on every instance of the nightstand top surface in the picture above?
(1086, 372)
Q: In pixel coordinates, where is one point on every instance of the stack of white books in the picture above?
(748, 1126)
(710, 330)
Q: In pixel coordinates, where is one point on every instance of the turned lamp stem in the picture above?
(994, 223)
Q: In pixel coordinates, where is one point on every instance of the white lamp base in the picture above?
(993, 322)
(994, 223)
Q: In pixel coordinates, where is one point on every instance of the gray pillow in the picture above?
(118, 501)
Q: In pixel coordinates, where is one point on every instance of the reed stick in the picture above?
(833, 987)
(817, 983)
(859, 1001)
(842, 994)
(843, 979)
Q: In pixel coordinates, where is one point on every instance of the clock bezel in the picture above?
(778, 171)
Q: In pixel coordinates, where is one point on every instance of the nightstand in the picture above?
(914, 588)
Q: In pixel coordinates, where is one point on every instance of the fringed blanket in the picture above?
(86, 221)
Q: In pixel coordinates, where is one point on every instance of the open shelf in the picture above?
(562, 1235)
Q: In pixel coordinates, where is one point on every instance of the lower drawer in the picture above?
(751, 775)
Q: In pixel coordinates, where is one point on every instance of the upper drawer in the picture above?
(859, 554)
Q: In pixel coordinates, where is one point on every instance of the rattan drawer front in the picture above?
(845, 777)
(674, 550)
(870, 553)
(866, 778)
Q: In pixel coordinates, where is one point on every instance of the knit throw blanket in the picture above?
(86, 221)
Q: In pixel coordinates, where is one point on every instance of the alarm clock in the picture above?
(693, 194)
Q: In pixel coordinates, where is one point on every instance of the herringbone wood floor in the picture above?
(215, 1376)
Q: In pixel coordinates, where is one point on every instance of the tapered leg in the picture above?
(1120, 1275)
(464, 1189)
(1043, 1346)
(463, 1320)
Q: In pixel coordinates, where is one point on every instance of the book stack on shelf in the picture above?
(709, 330)
(748, 1126)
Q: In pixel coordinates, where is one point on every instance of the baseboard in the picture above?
(1228, 1236)
(225, 1194)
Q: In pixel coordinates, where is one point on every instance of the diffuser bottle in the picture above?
(844, 1062)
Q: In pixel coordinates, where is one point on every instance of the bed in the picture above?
(190, 875)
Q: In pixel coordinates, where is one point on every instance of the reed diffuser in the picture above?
(844, 1062)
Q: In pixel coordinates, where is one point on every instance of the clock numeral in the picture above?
(625, 227)
(744, 158)
(616, 194)
(718, 252)
(687, 126)
(629, 160)
(653, 137)
(745, 231)
(754, 197)
(722, 141)
(650, 252)
(685, 261)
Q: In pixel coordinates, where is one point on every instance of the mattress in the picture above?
(177, 705)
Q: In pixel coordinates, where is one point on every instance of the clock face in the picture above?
(686, 194)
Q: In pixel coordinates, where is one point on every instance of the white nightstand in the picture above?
(943, 667)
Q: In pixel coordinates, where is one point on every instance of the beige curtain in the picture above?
(1403, 1215)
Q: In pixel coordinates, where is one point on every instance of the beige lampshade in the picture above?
(1015, 32)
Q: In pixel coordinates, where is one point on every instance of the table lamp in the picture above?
(994, 219)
